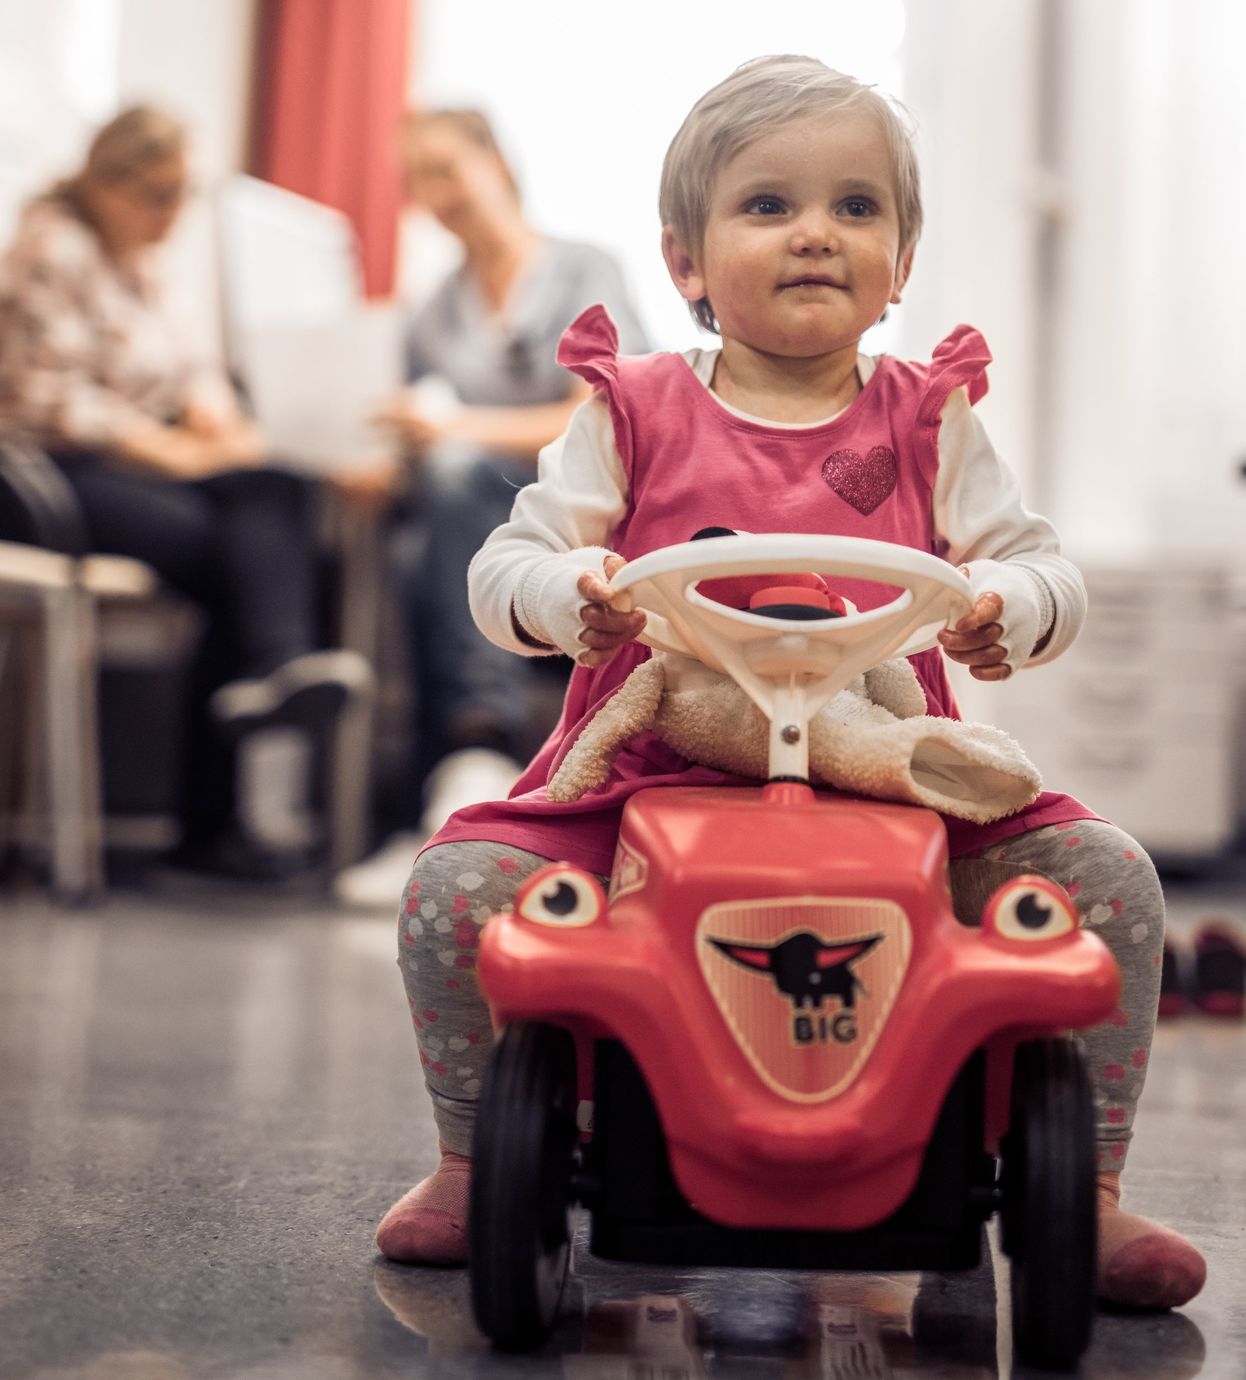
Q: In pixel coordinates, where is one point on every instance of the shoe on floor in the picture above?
(234, 855)
(466, 777)
(377, 882)
(308, 691)
(1219, 970)
(1173, 999)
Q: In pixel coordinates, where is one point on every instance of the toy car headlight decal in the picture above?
(562, 896)
(1030, 908)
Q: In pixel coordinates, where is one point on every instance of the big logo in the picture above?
(805, 984)
(805, 967)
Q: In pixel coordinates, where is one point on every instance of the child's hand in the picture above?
(605, 629)
(974, 641)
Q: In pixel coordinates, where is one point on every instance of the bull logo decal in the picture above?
(804, 967)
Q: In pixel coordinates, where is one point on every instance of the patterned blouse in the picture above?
(87, 346)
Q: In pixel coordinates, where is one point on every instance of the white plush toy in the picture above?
(874, 738)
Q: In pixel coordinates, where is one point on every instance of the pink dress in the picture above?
(690, 463)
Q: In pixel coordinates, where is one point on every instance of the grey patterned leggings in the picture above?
(456, 887)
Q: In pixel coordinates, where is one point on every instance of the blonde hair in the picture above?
(473, 125)
(758, 97)
(132, 141)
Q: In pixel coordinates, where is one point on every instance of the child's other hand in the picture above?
(974, 641)
(605, 629)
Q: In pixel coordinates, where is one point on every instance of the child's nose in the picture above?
(814, 233)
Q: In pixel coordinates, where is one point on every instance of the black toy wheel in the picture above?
(522, 1160)
(1049, 1225)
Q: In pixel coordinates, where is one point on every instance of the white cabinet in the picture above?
(1139, 719)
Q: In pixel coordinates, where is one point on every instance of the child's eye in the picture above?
(766, 206)
(858, 207)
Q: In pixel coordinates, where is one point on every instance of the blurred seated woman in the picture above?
(165, 466)
(489, 331)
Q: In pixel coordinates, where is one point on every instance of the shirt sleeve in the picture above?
(558, 528)
(978, 513)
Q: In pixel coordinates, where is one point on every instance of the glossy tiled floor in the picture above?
(205, 1105)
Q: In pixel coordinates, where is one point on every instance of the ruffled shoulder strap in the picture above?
(590, 348)
(959, 361)
(590, 345)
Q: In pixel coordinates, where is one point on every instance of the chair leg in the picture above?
(349, 745)
(72, 743)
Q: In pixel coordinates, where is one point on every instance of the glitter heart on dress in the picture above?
(861, 480)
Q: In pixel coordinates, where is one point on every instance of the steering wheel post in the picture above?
(789, 733)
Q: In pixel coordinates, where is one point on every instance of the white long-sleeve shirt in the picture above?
(560, 525)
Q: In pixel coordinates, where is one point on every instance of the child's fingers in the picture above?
(996, 672)
(988, 608)
(981, 656)
(605, 619)
(605, 629)
(594, 588)
(952, 640)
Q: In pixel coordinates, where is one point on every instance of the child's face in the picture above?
(802, 242)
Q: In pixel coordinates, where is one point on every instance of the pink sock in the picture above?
(428, 1224)
(1141, 1263)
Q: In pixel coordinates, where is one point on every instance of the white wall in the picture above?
(971, 81)
(1151, 388)
(58, 61)
(194, 56)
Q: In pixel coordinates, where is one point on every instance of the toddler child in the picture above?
(790, 207)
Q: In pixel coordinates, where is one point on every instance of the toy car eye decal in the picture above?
(1030, 908)
(561, 895)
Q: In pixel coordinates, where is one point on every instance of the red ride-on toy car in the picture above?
(797, 1055)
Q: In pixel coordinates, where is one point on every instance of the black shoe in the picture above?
(308, 691)
(234, 857)
(1219, 970)
(1173, 998)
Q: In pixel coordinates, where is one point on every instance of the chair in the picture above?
(59, 599)
(50, 590)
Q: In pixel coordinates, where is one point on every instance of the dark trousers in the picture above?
(470, 693)
(239, 545)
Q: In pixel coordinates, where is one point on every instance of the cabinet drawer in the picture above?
(1174, 793)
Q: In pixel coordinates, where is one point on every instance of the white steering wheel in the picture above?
(790, 669)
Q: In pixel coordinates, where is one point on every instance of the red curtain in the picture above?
(331, 82)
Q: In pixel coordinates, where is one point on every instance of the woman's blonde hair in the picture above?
(134, 140)
(473, 125)
(758, 97)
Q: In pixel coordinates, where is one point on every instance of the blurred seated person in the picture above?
(489, 332)
(164, 464)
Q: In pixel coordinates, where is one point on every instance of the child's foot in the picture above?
(428, 1225)
(1142, 1264)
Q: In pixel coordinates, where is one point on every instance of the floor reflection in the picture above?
(730, 1325)
(698, 1325)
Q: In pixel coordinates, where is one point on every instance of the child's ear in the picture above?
(684, 272)
(903, 269)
